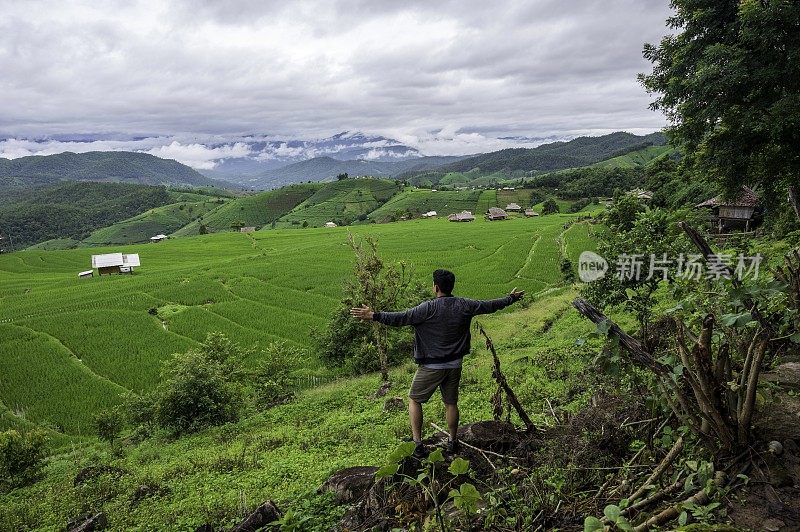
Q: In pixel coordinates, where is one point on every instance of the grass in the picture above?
(219, 475)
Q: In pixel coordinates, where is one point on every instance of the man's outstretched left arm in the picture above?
(487, 306)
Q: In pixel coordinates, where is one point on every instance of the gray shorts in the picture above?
(426, 381)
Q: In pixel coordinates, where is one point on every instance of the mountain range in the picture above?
(23, 173)
(277, 165)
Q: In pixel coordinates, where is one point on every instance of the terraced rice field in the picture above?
(85, 341)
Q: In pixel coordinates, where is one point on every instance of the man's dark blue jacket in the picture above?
(441, 325)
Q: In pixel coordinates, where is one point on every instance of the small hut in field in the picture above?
(740, 212)
(429, 214)
(529, 213)
(463, 216)
(330, 224)
(115, 263)
(157, 238)
(513, 207)
(496, 213)
(248, 229)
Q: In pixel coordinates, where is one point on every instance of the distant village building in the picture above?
(87, 273)
(429, 214)
(741, 212)
(247, 230)
(530, 213)
(115, 263)
(330, 224)
(507, 188)
(157, 238)
(641, 195)
(463, 216)
(496, 213)
(513, 207)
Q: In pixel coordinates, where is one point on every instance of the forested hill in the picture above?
(116, 166)
(557, 155)
(73, 210)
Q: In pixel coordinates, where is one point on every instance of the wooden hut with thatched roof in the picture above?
(463, 216)
(496, 213)
(740, 212)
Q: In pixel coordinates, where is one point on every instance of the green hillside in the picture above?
(161, 220)
(636, 158)
(414, 201)
(342, 202)
(257, 210)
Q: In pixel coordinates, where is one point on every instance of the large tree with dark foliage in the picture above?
(728, 80)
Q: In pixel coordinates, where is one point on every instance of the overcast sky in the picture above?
(446, 77)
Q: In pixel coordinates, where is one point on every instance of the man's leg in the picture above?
(452, 420)
(415, 417)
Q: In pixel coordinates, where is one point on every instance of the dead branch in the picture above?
(654, 498)
(746, 412)
(659, 470)
(638, 354)
(503, 383)
(699, 498)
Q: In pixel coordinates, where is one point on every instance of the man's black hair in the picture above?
(445, 280)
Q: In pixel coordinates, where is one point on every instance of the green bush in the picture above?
(201, 387)
(21, 457)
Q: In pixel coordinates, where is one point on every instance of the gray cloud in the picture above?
(308, 69)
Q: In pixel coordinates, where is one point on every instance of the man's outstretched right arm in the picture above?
(412, 316)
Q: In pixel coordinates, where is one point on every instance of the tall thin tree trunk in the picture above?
(794, 201)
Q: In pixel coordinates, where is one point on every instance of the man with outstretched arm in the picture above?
(441, 339)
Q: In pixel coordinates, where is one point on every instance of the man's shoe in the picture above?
(452, 447)
(420, 452)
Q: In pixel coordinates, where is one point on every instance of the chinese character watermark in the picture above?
(641, 267)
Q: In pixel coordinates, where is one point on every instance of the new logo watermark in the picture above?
(591, 267)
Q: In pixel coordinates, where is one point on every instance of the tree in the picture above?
(729, 84)
(550, 206)
(367, 346)
(238, 224)
(272, 380)
(203, 229)
(342, 177)
(712, 346)
(108, 425)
